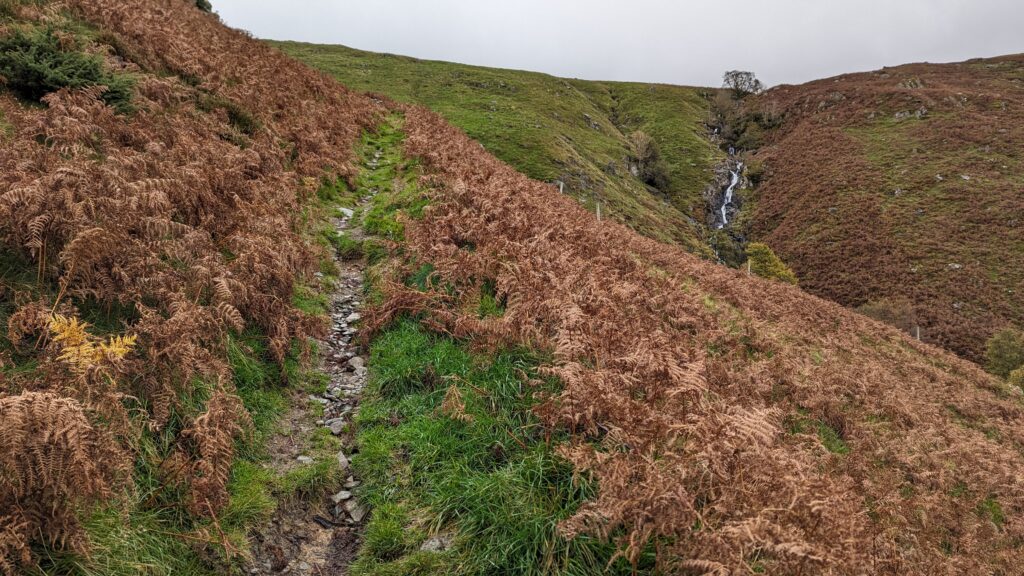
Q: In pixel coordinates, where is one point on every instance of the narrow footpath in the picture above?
(321, 535)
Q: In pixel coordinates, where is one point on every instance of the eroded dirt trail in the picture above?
(322, 535)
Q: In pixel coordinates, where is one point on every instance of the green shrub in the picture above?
(752, 137)
(763, 262)
(1005, 352)
(755, 172)
(204, 5)
(34, 63)
(645, 154)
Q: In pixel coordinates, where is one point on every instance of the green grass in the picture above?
(314, 479)
(139, 543)
(346, 247)
(310, 300)
(490, 305)
(6, 128)
(489, 479)
(539, 125)
(802, 423)
(395, 180)
(991, 510)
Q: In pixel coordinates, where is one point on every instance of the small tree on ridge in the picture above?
(742, 83)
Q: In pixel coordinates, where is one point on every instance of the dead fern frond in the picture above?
(54, 461)
(28, 323)
(453, 406)
(206, 453)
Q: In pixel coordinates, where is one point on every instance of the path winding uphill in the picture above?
(309, 537)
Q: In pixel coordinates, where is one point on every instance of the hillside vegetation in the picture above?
(548, 393)
(893, 190)
(553, 129)
(731, 423)
(904, 185)
(156, 175)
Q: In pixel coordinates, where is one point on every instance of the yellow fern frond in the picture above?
(81, 350)
(118, 347)
(69, 332)
(79, 358)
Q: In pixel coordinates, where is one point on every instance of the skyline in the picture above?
(689, 43)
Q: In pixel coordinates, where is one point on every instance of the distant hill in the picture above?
(905, 184)
(554, 129)
(899, 188)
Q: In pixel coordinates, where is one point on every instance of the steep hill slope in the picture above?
(158, 180)
(721, 424)
(743, 424)
(905, 184)
(553, 129)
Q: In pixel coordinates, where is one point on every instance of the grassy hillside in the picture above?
(905, 185)
(553, 129)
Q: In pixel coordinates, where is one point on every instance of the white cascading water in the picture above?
(727, 200)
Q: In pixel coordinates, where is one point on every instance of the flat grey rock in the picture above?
(337, 426)
(356, 510)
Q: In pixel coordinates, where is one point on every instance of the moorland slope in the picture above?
(904, 185)
(727, 424)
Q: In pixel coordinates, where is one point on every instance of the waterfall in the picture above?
(727, 199)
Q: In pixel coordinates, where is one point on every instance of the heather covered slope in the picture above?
(555, 129)
(905, 184)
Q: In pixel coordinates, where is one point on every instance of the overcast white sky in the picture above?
(679, 42)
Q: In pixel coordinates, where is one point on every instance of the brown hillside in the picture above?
(906, 183)
(735, 420)
(736, 423)
(185, 213)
